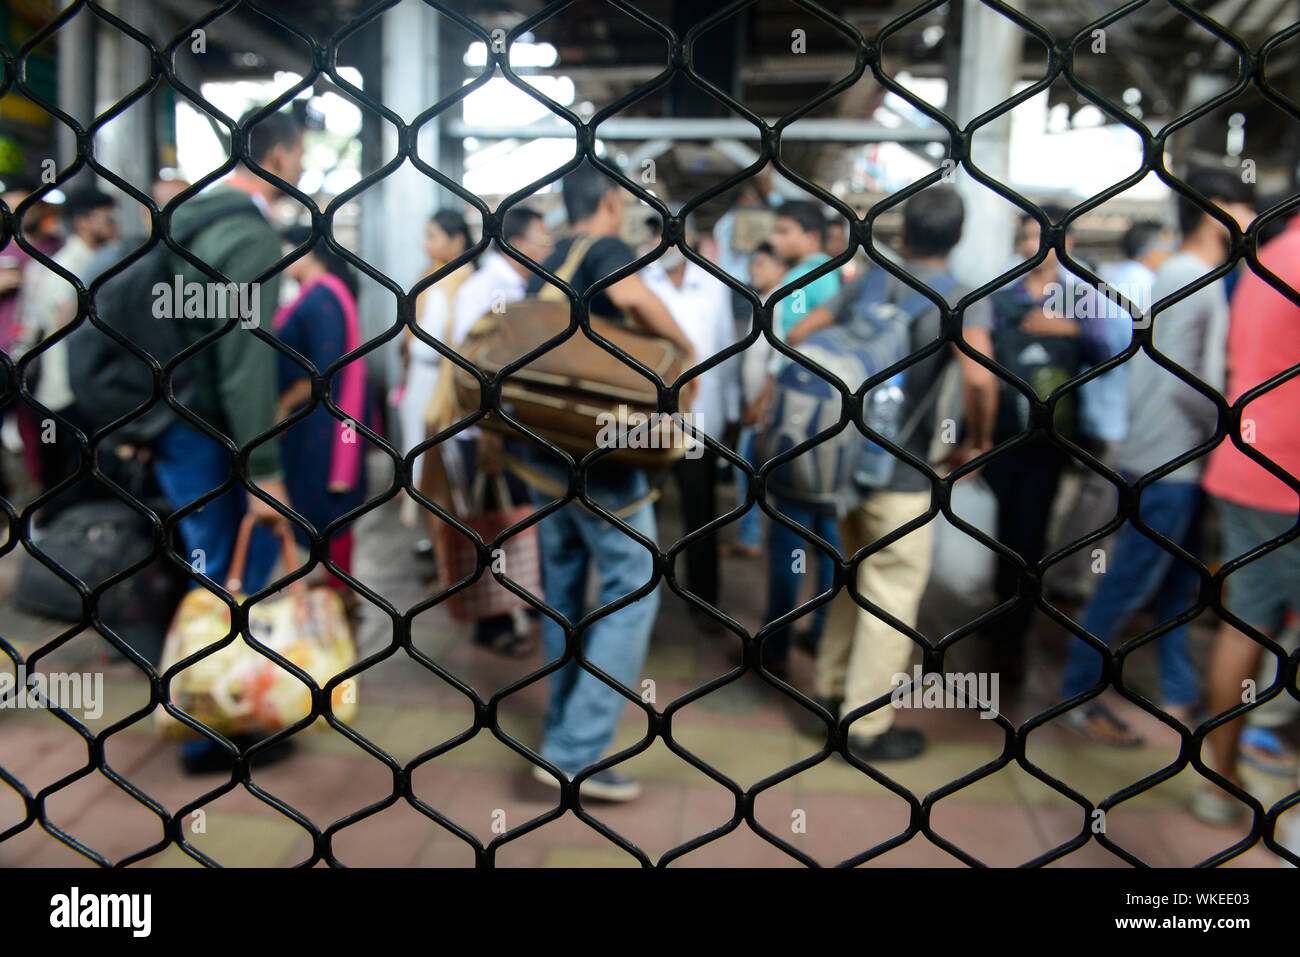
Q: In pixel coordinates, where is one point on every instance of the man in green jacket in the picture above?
(237, 373)
(235, 376)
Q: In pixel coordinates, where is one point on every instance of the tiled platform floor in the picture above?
(748, 730)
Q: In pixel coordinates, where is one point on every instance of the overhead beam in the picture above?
(238, 30)
(744, 155)
(683, 128)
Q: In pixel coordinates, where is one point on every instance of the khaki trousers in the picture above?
(859, 653)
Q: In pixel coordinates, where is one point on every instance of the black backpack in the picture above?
(1045, 362)
(108, 381)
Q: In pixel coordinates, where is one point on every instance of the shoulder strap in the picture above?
(548, 486)
(914, 420)
(873, 288)
(918, 302)
(577, 252)
(914, 306)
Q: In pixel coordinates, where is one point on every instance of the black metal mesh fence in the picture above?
(1251, 73)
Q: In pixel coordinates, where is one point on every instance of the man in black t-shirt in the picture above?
(583, 711)
(606, 254)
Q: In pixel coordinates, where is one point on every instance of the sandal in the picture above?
(1099, 725)
(1264, 751)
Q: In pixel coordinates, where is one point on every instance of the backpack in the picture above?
(833, 475)
(108, 381)
(1044, 362)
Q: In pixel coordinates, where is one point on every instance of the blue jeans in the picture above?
(749, 527)
(188, 464)
(583, 711)
(783, 580)
(1143, 573)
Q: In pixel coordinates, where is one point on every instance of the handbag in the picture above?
(238, 690)
(577, 394)
(518, 557)
(96, 539)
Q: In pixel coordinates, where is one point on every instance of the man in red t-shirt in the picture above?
(1255, 506)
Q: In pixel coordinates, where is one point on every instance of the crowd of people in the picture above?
(1230, 330)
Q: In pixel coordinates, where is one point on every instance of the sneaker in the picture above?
(896, 744)
(607, 785)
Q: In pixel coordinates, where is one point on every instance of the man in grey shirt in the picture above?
(860, 654)
(1166, 418)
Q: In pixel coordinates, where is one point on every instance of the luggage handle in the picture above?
(478, 488)
(238, 559)
(547, 486)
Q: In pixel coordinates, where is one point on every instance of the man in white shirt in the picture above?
(49, 305)
(701, 304)
(499, 280)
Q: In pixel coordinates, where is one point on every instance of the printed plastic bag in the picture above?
(238, 689)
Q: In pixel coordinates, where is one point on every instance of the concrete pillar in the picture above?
(406, 196)
(449, 151)
(401, 74)
(125, 144)
(419, 61)
(988, 61)
(76, 67)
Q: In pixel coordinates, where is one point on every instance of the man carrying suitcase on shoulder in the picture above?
(583, 710)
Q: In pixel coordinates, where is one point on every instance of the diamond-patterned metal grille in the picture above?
(162, 72)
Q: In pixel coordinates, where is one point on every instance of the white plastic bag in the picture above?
(963, 568)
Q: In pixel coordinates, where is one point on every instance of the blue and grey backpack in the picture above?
(834, 474)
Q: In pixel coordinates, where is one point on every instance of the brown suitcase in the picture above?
(576, 394)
